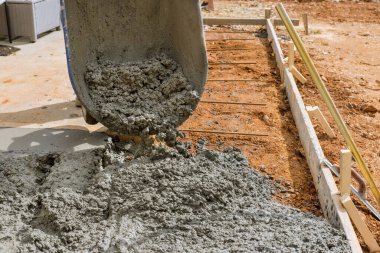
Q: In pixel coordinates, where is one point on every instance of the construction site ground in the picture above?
(344, 42)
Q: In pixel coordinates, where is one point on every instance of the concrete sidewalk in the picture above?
(47, 139)
(36, 99)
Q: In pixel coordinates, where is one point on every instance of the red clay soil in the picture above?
(278, 155)
(326, 11)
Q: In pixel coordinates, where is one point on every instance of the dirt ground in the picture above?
(274, 119)
(343, 42)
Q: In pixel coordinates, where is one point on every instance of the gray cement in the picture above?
(146, 97)
(133, 198)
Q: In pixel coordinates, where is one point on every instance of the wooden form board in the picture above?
(243, 21)
(210, 5)
(324, 182)
(276, 47)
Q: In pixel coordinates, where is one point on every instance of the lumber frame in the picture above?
(314, 111)
(324, 182)
(276, 47)
(367, 236)
(268, 13)
(326, 96)
(305, 23)
(345, 172)
(211, 5)
(292, 68)
(244, 21)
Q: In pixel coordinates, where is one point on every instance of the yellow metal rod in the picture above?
(328, 100)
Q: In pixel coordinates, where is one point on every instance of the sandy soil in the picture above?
(343, 43)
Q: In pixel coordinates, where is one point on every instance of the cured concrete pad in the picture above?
(46, 140)
(37, 108)
(35, 89)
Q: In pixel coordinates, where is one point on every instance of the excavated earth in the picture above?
(147, 97)
(131, 197)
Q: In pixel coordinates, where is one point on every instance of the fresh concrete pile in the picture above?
(134, 198)
(147, 97)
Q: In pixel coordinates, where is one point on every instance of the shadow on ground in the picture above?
(47, 140)
(40, 115)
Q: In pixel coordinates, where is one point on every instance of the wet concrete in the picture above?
(133, 198)
(134, 31)
(144, 97)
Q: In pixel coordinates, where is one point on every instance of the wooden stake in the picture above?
(314, 111)
(306, 23)
(210, 5)
(268, 13)
(291, 55)
(298, 75)
(291, 66)
(345, 171)
(359, 224)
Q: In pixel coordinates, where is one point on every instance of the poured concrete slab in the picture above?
(37, 108)
(35, 89)
(46, 140)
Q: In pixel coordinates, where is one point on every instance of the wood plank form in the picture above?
(367, 236)
(243, 21)
(345, 172)
(211, 5)
(272, 37)
(324, 182)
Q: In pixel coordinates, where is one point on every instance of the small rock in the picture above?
(266, 119)
(161, 136)
(211, 155)
(369, 109)
(145, 131)
(261, 167)
(181, 134)
(365, 34)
